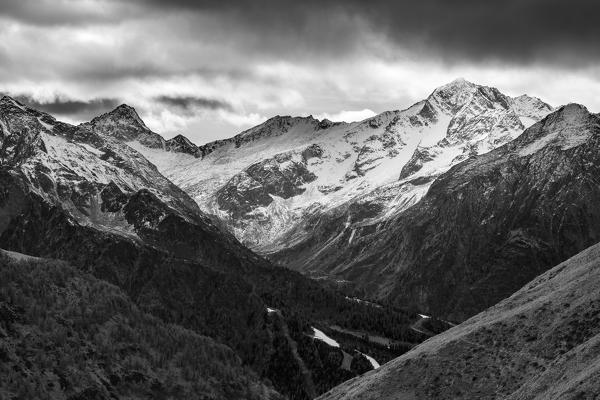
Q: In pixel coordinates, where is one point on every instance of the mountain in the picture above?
(52, 315)
(443, 209)
(543, 342)
(454, 213)
(80, 194)
(484, 228)
(265, 181)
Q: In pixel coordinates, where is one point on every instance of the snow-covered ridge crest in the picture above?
(568, 127)
(396, 150)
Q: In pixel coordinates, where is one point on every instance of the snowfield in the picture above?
(320, 335)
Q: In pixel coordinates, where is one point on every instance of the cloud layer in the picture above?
(516, 30)
(190, 104)
(210, 68)
(74, 108)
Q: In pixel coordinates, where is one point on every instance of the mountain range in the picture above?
(80, 194)
(380, 205)
(309, 251)
(263, 182)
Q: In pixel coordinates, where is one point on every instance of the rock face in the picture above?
(394, 152)
(483, 229)
(543, 342)
(283, 176)
(181, 144)
(125, 124)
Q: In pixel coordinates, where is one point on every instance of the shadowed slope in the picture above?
(66, 334)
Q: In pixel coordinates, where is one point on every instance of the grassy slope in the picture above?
(541, 343)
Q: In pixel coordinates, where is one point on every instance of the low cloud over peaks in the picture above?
(73, 109)
(191, 104)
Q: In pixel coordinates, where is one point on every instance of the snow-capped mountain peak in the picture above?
(568, 127)
(125, 124)
(457, 85)
(454, 95)
(181, 144)
(123, 116)
(264, 180)
(531, 107)
(280, 125)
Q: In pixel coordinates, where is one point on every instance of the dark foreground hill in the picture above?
(543, 342)
(67, 335)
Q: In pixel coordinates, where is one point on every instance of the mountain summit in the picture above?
(289, 169)
(484, 227)
(124, 123)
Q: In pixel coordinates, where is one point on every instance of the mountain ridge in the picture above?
(541, 342)
(486, 226)
(346, 160)
(80, 194)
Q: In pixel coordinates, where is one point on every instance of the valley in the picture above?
(299, 200)
(411, 222)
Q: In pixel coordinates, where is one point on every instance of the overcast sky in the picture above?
(209, 69)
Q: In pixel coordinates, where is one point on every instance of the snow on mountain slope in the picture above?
(90, 174)
(263, 181)
(482, 230)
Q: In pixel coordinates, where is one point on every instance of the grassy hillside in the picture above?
(543, 342)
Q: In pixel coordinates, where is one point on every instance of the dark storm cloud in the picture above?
(514, 30)
(71, 108)
(190, 104)
(518, 31)
(65, 12)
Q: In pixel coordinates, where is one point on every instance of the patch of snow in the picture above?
(319, 335)
(351, 236)
(18, 256)
(92, 149)
(565, 141)
(45, 124)
(17, 105)
(373, 361)
(4, 128)
(527, 121)
(537, 145)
